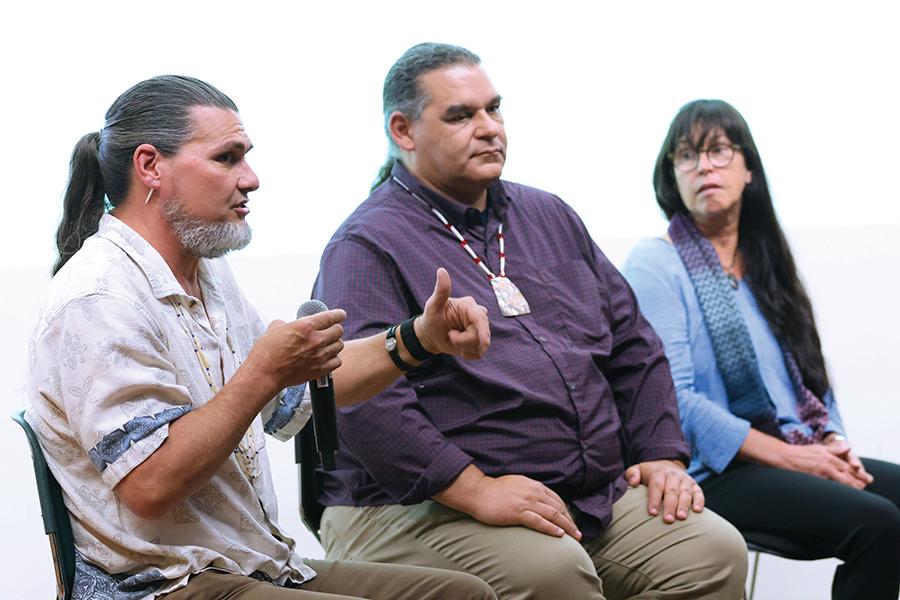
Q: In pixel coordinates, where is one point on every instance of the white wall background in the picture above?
(589, 91)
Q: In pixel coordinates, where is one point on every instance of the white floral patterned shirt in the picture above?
(111, 364)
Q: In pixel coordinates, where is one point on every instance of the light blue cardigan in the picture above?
(667, 299)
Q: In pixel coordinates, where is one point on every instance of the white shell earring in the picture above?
(150, 191)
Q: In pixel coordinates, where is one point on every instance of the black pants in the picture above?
(860, 527)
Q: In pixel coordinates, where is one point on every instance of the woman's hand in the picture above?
(829, 461)
(839, 444)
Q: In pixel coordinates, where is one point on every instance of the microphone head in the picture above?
(310, 308)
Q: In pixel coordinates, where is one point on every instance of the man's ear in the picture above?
(145, 160)
(400, 127)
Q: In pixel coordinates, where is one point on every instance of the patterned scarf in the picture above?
(747, 395)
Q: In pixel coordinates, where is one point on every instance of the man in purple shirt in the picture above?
(513, 467)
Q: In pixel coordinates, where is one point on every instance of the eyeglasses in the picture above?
(719, 155)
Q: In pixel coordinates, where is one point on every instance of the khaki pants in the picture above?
(637, 557)
(346, 580)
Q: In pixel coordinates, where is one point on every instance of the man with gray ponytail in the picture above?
(553, 468)
(153, 381)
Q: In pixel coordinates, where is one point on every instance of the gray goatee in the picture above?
(205, 239)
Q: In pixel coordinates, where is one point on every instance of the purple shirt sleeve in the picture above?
(639, 376)
(401, 448)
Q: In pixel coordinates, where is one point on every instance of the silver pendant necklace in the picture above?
(729, 273)
(732, 280)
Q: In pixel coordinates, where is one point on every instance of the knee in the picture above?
(728, 544)
(561, 568)
(723, 551)
(875, 511)
(876, 521)
(892, 519)
(466, 587)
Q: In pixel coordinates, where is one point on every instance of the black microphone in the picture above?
(321, 391)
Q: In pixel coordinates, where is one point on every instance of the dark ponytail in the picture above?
(156, 111)
(384, 173)
(83, 203)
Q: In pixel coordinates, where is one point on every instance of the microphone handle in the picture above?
(324, 420)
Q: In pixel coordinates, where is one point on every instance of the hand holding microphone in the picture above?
(447, 325)
(298, 351)
(321, 391)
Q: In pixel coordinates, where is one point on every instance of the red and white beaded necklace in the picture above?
(510, 299)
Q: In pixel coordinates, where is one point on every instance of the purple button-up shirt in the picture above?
(565, 395)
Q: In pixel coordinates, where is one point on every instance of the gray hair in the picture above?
(155, 111)
(403, 93)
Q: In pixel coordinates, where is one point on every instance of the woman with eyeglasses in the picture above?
(722, 291)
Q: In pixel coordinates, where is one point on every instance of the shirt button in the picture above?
(571, 386)
(542, 339)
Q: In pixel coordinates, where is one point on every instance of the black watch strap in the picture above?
(390, 344)
(411, 341)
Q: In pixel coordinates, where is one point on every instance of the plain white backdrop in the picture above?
(589, 90)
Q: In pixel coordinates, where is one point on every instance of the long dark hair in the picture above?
(768, 263)
(402, 92)
(155, 111)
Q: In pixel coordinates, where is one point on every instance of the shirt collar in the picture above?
(159, 275)
(498, 199)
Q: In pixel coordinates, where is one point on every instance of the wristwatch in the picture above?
(390, 344)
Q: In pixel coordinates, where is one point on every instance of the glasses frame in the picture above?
(734, 149)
